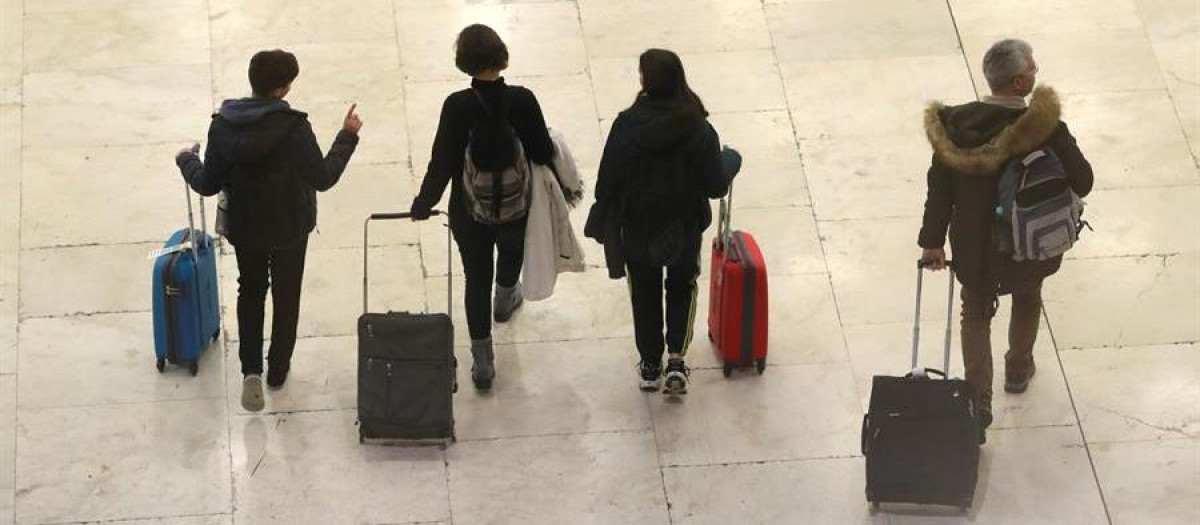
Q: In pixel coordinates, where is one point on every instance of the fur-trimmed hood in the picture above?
(979, 138)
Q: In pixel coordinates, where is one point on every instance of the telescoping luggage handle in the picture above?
(449, 255)
(724, 230)
(916, 370)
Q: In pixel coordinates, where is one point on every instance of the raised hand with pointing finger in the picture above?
(352, 123)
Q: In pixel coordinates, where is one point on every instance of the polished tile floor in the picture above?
(823, 97)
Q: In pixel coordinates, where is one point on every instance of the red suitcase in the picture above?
(737, 309)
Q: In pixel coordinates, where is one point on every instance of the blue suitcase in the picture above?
(187, 315)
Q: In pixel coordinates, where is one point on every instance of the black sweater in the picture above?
(460, 112)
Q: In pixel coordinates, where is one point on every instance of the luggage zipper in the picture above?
(749, 287)
(171, 292)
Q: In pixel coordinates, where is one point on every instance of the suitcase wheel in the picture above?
(194, 368)
(160, 364)
(761, 365)
(216, 334)
(710, 337)
(874, 506)
(727, 369)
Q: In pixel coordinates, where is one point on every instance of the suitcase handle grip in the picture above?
(916, 345)
(866, 425)
(925, 371)
(408, 215)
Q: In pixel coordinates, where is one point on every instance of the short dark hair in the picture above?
(479, 49)
(271, 70)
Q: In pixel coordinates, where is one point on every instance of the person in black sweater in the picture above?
(263, 155)
(481, 53)
(662, 162)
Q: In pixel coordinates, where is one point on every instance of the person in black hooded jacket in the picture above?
(971, 144)
(662, 163)
(263, 155)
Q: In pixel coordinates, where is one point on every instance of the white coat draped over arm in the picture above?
(551, 247)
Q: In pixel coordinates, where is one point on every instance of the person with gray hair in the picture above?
(972, 143)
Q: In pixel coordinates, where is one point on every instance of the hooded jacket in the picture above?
(971, 145)
(653, 147)
(264, 156)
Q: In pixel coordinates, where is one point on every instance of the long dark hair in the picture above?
(663, 78)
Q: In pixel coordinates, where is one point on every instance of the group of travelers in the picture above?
(662, 163)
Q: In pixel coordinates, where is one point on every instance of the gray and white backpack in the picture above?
(1038, 215)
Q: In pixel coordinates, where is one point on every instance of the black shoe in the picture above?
(676, 378)
(276, 377)
(650, 373)
(985, 420)
(1018, 385)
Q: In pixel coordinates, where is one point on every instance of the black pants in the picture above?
(477, 243)
(646, 288)
(282, 271)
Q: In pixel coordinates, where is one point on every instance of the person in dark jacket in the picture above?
(662, 162)
(263, 156)
(971, 144)
(489, 251)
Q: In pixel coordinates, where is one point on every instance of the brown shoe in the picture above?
(1017, 384)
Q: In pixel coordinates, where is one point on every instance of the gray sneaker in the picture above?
(252, 393)
(506, 302)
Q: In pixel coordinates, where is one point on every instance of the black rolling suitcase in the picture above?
(920, 436)
(406, 370)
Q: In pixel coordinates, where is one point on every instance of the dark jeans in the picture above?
(478, 243)
(978, 309)
(646, 287)
(281, 271)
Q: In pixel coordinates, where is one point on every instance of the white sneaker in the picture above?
(252, 393)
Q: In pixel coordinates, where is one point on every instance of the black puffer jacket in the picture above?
(971, 144)
(653, 148)
(264, 156)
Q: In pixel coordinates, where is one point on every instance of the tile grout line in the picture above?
(962, 50)
(1079, 422)
(224, 339)
(811, 207)
(1170, 96)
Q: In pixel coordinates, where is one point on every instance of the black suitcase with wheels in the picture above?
(406, 370)
(920, 436)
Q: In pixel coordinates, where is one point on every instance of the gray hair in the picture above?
(1005, 60)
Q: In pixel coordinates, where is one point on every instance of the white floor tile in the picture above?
(809, 491)
(362, 191)
(871, 98)
(288, 468)
(116, 353)
(147, 112)
(288, 22)
(1141, 221)
(584, 478)
(383, 139)
(727, 82)
(53, 282)
(873, 264)
(857, 179)
(553, 388)
(626, 28)
(1156, 299)
(817, 31)
(176, 34)
(781, 414)
(1136, 393)
(773, 174)
(1016, 17)
(1134, 474)
(12, 56)
(149, 459)
(1123, 136)
(787, 238)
